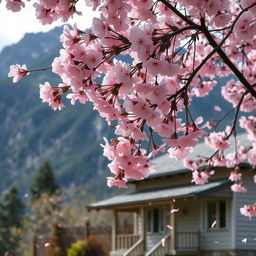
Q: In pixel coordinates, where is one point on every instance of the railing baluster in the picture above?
(188, 240)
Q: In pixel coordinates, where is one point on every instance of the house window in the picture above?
(155, 220)
(217, 211)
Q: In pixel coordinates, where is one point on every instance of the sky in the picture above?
(13, 26)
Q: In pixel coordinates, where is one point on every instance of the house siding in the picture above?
(188, 217)
(245, 228)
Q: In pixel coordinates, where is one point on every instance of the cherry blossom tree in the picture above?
(178, 48)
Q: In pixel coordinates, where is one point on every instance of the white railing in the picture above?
(125, 241)
(137, 249)
(159, 249)
(187, 240)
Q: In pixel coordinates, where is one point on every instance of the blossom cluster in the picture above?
(248, 210)
(177, 48)
(47, 11)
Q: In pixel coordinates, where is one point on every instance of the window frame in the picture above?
(218, 215)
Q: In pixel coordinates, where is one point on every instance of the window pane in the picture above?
(212, 213)
(222, 214)
(156, 220)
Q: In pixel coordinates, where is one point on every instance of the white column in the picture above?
(114, 229)
(135, 223)
(143, 226)
(172, 231)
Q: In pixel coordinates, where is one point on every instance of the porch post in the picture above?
(135, 223)
(114, 229)
(172, 231)
(143, 226)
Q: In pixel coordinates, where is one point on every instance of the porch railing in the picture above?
(126, 241)
(187, 241)
(137, 249)
(159, 250)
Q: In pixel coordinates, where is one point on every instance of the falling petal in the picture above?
(199, 120)
(174, 210)
(46, 244)
(169, 226)
(211, 172)
(244, 240)
(217, 108)
(214, 224)
(163, 242)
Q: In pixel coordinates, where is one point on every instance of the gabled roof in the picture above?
(164, 165)
(164, 193)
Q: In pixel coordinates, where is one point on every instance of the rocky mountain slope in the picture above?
(31, 131)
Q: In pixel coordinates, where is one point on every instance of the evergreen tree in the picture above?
(11, 216)
(44, 182)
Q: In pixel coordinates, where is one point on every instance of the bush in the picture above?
(77, 249)
(90, 247)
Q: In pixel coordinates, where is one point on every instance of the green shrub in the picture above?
(77, 249)
(90, 247)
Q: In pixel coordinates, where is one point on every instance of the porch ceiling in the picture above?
(157, 194)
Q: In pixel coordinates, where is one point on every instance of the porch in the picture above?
(188, 243)
(149, 228)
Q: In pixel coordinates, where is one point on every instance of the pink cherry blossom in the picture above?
(217, 140)
(201, 177)
(190, 164)
(235, 176)
(179, 153)
(238, 187)
(121, 183)
(15, 5)
(17, 72)
(252, 155)
(248, 211)
(52, 95)
(80, 96)
(245, 28)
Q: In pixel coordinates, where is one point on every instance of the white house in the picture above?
(194, 210)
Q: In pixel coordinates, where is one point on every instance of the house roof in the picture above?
(164, 165)
(164, 193)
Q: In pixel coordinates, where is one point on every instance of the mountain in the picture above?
(70, 139)
(31, 131)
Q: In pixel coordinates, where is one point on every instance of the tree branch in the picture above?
(227, 61)
(178, 13)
